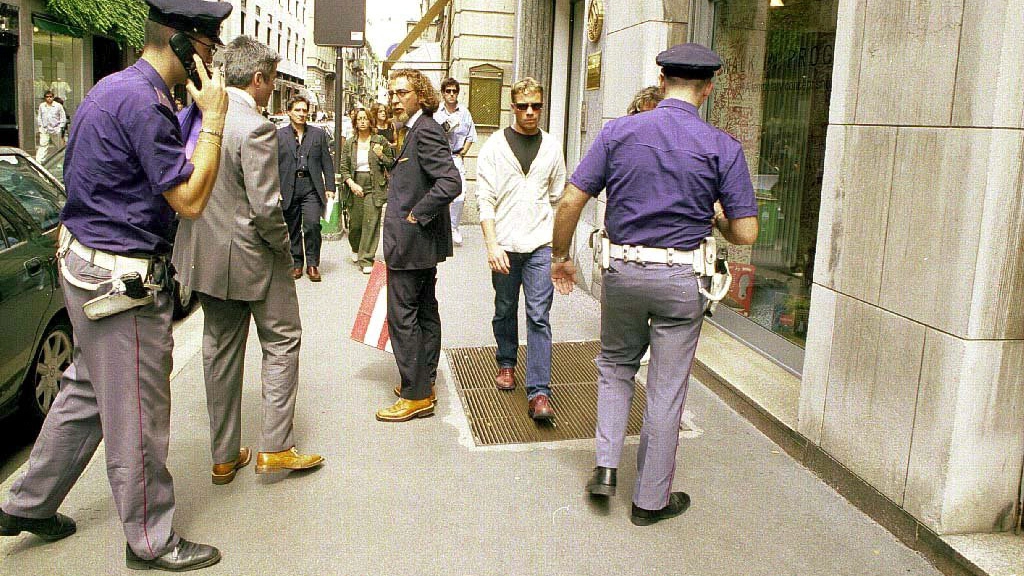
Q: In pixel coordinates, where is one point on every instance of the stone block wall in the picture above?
(913, 376)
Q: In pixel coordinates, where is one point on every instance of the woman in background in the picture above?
(364, 162)
(382, 121)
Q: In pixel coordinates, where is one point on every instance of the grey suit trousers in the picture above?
(117, 389)
(667, 296)
(225, 332)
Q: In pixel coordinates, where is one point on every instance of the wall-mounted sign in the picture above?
(594, 71)
(595, 20)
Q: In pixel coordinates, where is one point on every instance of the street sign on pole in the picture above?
(340, 23)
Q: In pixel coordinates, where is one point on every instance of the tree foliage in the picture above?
(123, 20)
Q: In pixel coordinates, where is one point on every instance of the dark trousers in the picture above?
(303, 218)
(414, 325)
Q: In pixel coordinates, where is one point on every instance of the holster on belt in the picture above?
(601, 246)
(126, 292)
(711, 263)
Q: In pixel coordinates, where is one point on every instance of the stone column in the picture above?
(914, 371)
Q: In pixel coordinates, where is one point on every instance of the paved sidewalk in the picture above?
(419, 499)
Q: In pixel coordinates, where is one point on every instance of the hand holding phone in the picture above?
(212, 99)
(184, 50)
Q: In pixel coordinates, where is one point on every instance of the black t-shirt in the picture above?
(524, 147)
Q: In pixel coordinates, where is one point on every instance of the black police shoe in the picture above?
(183, 557)
(50, 529)
(678, 502)
(602, 483)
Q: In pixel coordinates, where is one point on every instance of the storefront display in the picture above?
(773, 96)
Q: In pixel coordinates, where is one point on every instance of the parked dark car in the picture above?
(35, 332)
(183, 300)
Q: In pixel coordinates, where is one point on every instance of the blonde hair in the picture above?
(527, 85)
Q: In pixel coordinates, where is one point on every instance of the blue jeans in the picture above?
(532, 272)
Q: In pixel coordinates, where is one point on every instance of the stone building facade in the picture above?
(886, 144)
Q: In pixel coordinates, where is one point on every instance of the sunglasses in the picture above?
(401, 93)
(451, 91)
(524, 106)
(212, 47)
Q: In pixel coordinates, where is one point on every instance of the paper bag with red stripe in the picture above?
(371, 326)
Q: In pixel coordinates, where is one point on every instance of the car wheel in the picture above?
(42, 382)
(182, 300)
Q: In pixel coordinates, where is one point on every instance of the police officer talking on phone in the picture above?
(665, 172)
(126, 175)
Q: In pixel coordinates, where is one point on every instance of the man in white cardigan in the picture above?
(520, 177)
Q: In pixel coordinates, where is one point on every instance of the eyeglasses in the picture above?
(212, 47)
(451, 90)
(524, 106)
(401, 93)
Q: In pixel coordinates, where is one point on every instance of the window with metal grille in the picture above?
(485, 82)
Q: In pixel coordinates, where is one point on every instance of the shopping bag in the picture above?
(371, 327)
(329, 223)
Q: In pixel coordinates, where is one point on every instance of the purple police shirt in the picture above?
(124, 151)
(664, 170)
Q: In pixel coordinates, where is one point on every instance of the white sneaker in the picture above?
(367, 269)
(457, 237)
(355, 257)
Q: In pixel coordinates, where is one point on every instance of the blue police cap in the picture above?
(192, 16)
(689, 60)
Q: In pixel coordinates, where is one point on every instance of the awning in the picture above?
(56, 27)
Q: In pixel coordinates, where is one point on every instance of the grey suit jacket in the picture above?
(230, 251)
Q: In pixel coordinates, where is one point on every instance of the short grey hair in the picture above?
(243, 57)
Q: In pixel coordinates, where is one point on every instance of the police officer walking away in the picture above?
(664, 172)
(127, 174)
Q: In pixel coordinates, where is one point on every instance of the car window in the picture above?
(40, 197)
(54, 164)
(9, 235)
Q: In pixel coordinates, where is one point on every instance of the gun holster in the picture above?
(712, 263)
(126, 292)
(601, 246)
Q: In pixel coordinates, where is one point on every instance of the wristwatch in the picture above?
(559, 259)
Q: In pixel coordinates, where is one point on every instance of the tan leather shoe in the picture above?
(224, 473)
(290, 459)
(406, 410)
(505, 379)
(433, 393)
(296, 273)
(314, 273)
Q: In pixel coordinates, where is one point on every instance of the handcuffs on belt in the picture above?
(708, 262)
(129, 288)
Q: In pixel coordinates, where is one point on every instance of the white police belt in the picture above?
(118, 265)
(647, 255)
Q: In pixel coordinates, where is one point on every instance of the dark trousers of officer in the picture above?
(117, 389)
(303, 218)
(667, 296)
(414, 325)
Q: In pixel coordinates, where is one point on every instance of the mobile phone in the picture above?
(183, 49)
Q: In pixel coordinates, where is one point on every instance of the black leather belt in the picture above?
(302, 173)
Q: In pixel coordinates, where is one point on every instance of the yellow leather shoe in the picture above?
(290, 459)
(224, 473)
(433, 393)
(406, 410)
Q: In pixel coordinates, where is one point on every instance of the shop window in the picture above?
(57, 64)
(773, 95)
(485, 82)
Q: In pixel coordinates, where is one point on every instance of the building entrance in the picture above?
(8, 96)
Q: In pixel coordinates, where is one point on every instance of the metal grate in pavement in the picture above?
(498, 417)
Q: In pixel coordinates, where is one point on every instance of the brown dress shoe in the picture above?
(505, 379)
(433, 393)
(224, 473)
(314, 273)
(296, 273)
(540, 408)
(290, 459)
(406, 410)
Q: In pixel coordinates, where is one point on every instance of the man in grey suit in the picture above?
(307, 181)
(236, 257)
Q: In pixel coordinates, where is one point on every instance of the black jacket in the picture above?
(318, 161)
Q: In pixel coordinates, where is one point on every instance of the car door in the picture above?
(26, 291)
